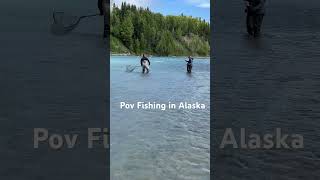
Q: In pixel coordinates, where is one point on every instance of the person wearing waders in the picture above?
(145, 64)
(255, 10)
(189, 64)
(103, 8)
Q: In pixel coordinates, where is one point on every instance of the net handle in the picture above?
(72, 26)
(82, 17)
(90, 15)
(79, 19)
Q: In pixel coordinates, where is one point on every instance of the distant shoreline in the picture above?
(124, 54)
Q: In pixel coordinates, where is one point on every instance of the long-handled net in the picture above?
(64, 23)
(131, 68)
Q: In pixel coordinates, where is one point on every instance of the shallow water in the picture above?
(267, 83)
(155, 144)
(54, 82)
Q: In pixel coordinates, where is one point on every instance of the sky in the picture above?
(195, 8)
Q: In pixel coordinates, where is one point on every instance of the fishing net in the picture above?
(64, 22)
(130, 68)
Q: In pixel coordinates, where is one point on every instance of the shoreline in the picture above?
(124, 54)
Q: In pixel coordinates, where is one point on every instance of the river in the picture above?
(264, 84)
(155, 144)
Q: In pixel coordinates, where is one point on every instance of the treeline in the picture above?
(138, 30)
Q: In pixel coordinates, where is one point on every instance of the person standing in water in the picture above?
(255, 10)
(189, 64)
(103, 6)
(145, 63)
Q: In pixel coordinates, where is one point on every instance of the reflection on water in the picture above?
(155, 144)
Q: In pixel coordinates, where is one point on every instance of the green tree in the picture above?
(139, 30)
(166, 45)
(126, 31)
(137, 49)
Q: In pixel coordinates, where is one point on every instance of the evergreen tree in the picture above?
(139, 30)
(126, 31)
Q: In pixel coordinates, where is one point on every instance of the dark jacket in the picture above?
(144, 59)
(100, 6)
(257, 6)
(189, 61)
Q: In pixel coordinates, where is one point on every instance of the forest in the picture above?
(137, 30)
